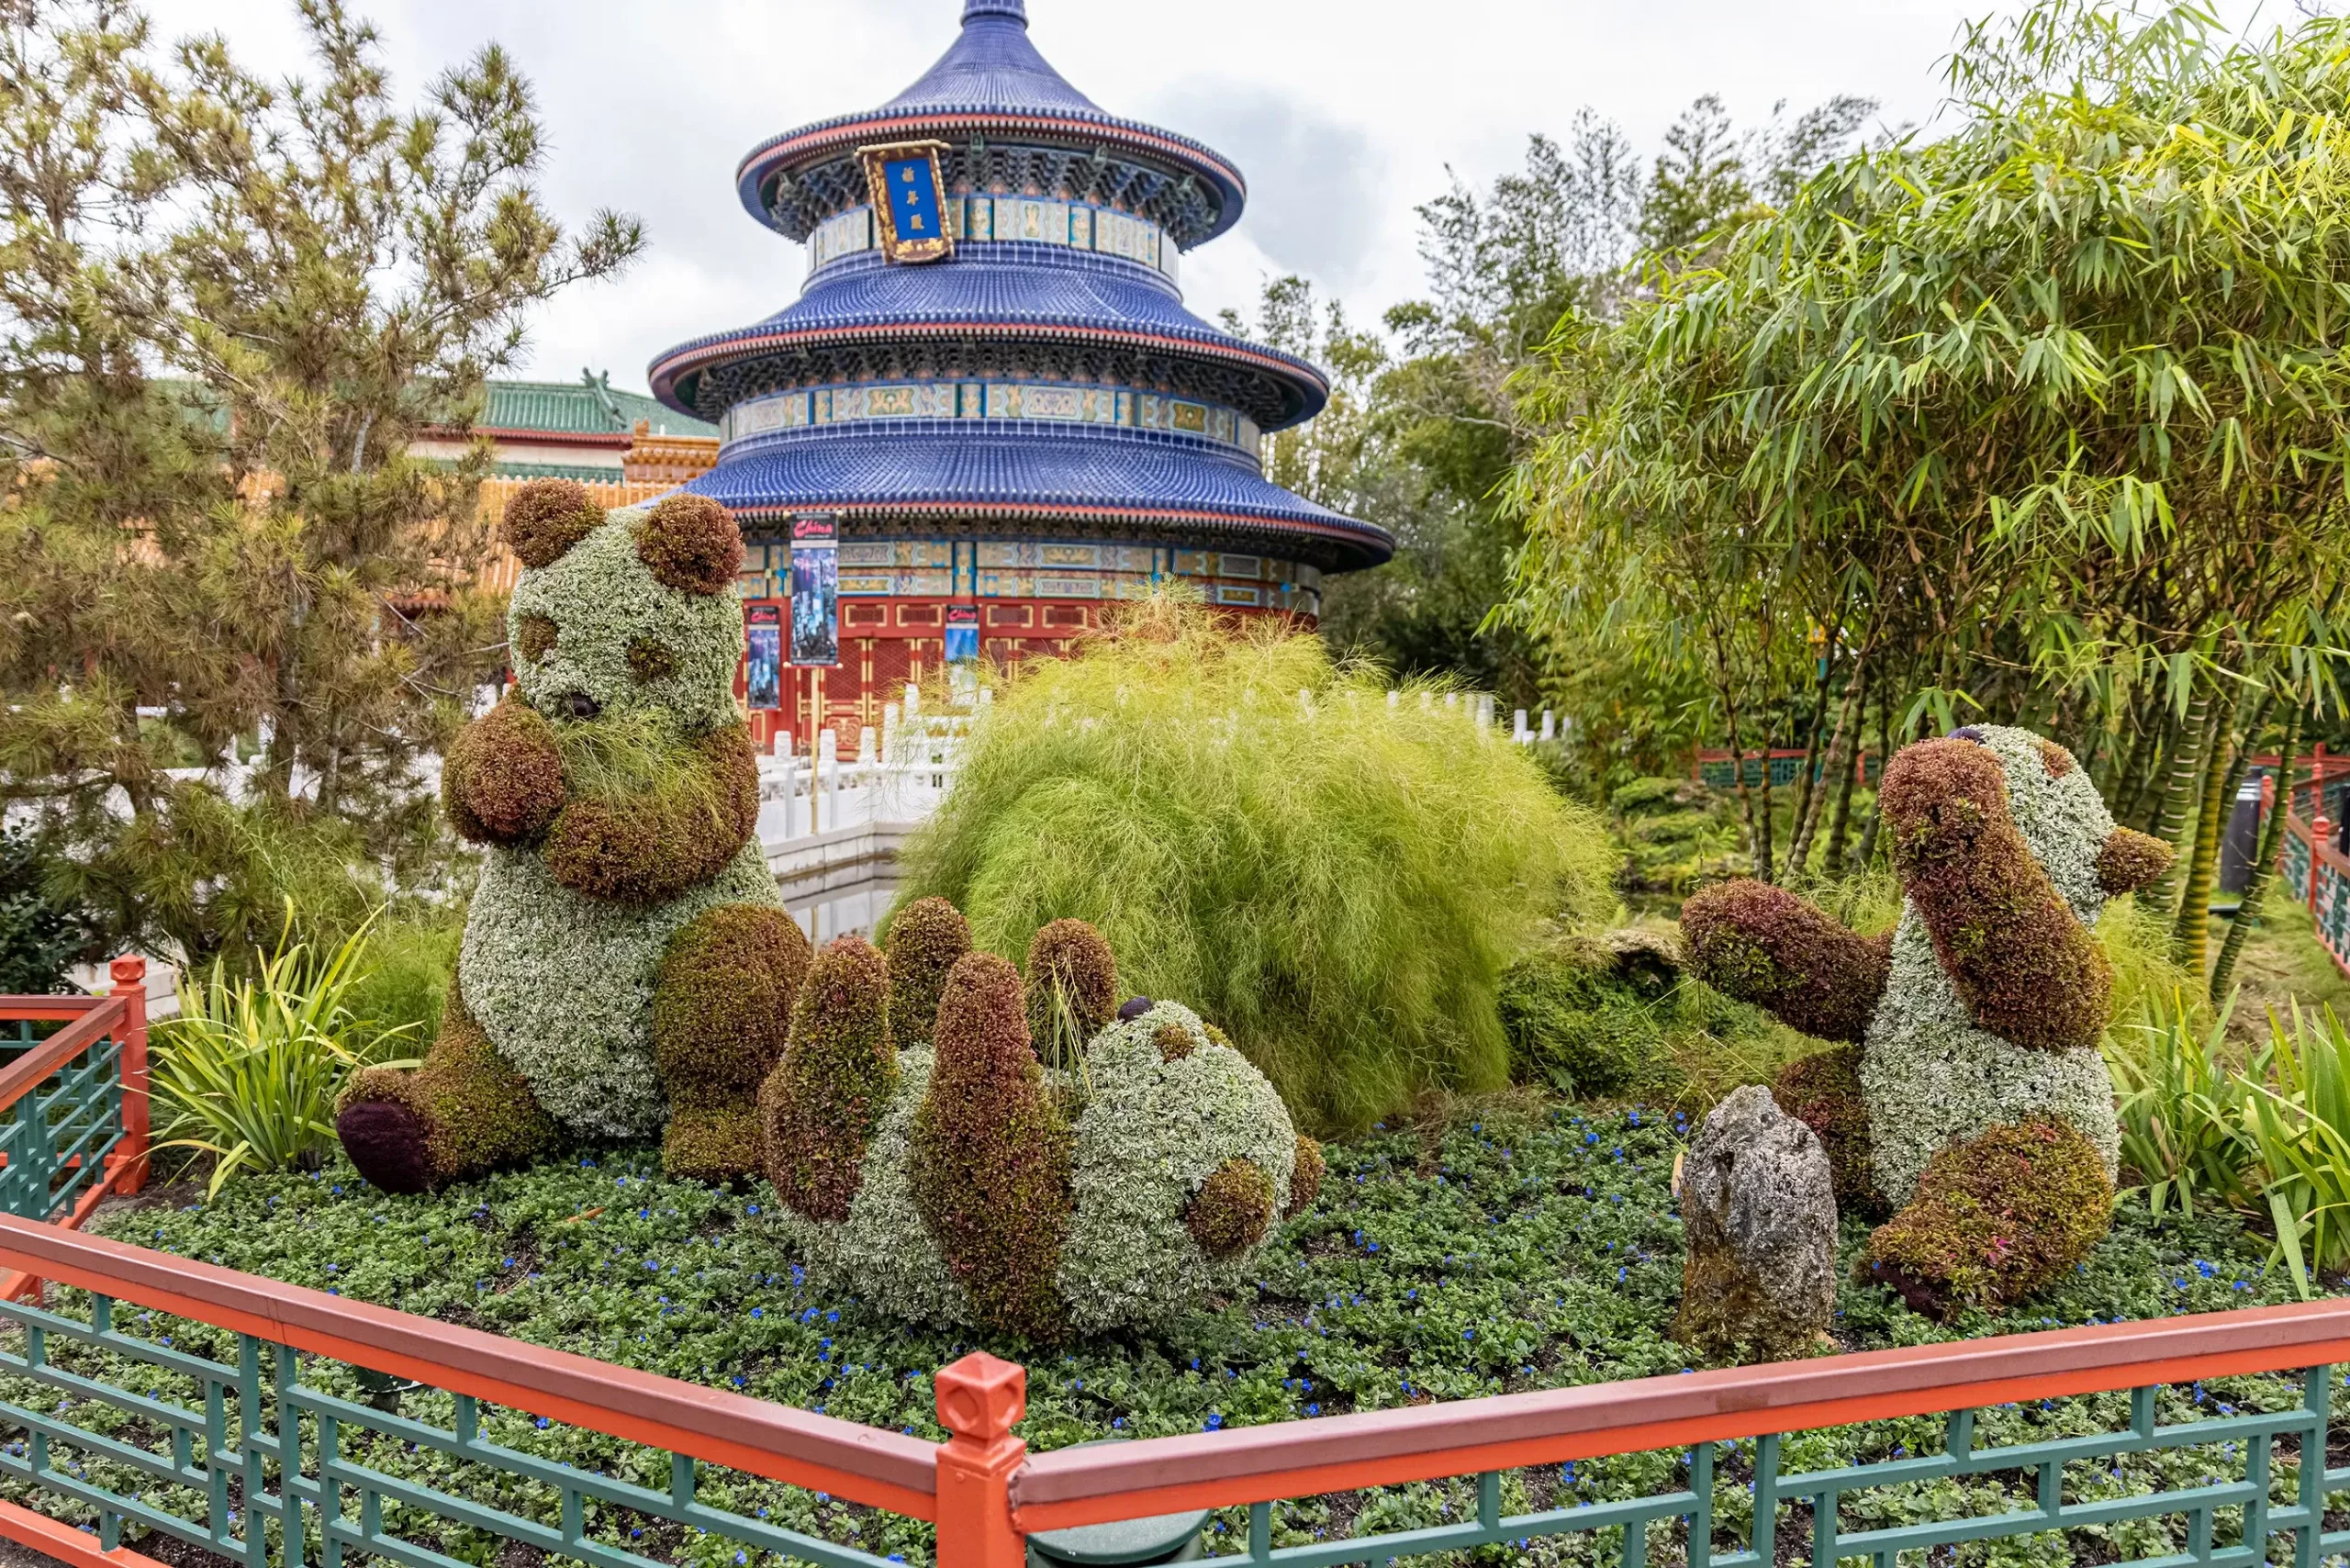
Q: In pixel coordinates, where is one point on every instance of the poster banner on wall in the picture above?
(763, 656)
(962, 633)
(815, 589)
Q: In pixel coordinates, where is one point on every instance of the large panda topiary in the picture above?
(1973, 1100)
(627, 968)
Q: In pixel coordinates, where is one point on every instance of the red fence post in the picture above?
(130, 975)
(979, 1398)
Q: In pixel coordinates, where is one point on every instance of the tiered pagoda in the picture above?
(989, 392)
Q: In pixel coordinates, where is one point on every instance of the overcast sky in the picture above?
(1343, 114)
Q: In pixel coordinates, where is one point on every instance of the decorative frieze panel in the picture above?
(1051, 402)
(981, 219)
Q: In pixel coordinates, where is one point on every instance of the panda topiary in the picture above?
(1977, 1103)
(626, 966)
(960, 1181)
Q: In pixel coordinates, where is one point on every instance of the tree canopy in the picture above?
(227, 308)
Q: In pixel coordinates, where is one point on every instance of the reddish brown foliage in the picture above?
(992, 1154)
(720, 1008)
(645, 850)
(1763, 945)
(2028, 971)
(463, 1112)
(1070, 966)
(502, 781)
(547, 517)
(1996, 1218)
(1305, 1182)
(819, 1108)
(691, 543)
(2128, 859)
(926, 941)
(1231, 1209)
(1823, 1091)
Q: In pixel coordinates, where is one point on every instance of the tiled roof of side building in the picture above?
(582, 408)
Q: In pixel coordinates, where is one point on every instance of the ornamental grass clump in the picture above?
(1337, 882)
(250, 1070)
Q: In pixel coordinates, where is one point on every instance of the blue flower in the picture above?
(1214, 1423)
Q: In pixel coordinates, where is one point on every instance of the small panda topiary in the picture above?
(1979, 1091)
(627, 966)
(957, 1181)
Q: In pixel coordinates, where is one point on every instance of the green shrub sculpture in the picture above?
(1339, 883)
(924, 941)
(980, 1200)
(1978, 1077)
(626, 966)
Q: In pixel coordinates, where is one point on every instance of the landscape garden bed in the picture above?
(1509, 1244)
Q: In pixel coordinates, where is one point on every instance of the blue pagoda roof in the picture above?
(992, 81)
(1039, 475)
(1018, 290)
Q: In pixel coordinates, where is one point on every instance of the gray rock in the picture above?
(1759, 1214)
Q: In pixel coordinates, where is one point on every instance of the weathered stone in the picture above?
(1759, 1210)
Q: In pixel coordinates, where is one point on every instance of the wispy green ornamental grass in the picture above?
(1339, 885)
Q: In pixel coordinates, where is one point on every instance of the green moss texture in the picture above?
(722, 1008)
(818, 1109)
(924, 941)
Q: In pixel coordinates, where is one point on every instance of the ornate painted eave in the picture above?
(1038, 476)
(1040, 298)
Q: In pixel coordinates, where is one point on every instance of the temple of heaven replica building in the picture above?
(988, 413)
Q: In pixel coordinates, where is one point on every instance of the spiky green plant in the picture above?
(2181, 1105)
(2298, 1129)
(1338, 883)
(250, 1070)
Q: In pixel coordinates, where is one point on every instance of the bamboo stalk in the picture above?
(2263, 862)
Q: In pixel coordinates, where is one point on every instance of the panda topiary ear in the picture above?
(690, 544)
(547, 517)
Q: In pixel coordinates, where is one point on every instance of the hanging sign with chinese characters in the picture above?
(908, 200)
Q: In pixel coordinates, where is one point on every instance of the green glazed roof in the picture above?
(585, 407)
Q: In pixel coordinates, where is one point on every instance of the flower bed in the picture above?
(1520, 1244)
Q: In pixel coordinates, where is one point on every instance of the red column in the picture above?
(979, 1398)
(129, 976)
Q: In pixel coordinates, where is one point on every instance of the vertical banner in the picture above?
(763, 656)
(962, 633)
(815, 590)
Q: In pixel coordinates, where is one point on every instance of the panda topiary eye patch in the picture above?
(650, 659)
(534, 637)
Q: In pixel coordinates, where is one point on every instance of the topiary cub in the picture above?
(927, 1159)
(1977, 1103)
(627, 963)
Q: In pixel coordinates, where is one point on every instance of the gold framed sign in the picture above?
(908, 200)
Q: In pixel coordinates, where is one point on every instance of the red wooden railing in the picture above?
(119, 1015)
(986, 1493)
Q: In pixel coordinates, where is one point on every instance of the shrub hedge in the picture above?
(1339, 883)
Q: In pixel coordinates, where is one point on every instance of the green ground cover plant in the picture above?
(1512, 1243)
(1335, 882)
